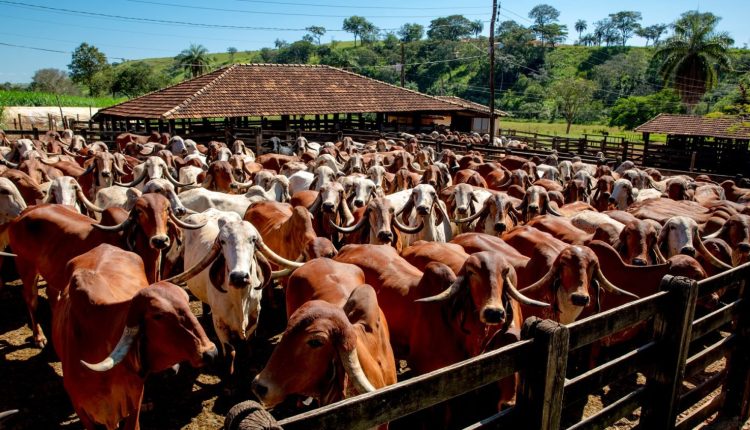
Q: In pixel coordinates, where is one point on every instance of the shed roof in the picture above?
(276, 89)
(691, 125)
(468, 104)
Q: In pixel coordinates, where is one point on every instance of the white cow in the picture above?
(66, 191)
(11, 201)
(588, 221)
(424, 206)
(201, 199)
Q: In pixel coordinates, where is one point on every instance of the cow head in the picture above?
(354, 164)
(11, 202)
(362, 191)
(317, 355)
(736, 233)
(497, 214)
(377, 174)
(424, 200)
(677, 189)
(535, 202)
(381, 221)
(566, 170)
(576, 190)
(66, 191)
(402, 180)
(162, 326)
(436, 176)
(604, 187)
(322, 175)
(623, 194)
(637, 244)
(153, 168)
(680, 235)
(569, 281)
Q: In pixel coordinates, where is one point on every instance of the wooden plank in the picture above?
(613, 412)
(718, 318)
(626, 364)
(672, 330)
(540, 396)
(713, 353)
(502, 419)
(700, 391)
(389, 403)
(701, 414)
(595, 327)
(722, 280)
(738, 377)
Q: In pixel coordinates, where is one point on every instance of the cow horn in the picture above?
(7, 254)
(710, 257)
(153, 149)
(714, 235)
(86, 202)
(8, 163)
(174, 181)
(183, 224)
(117, 227)
(268, 252)
(547, 278)
(135, 182)
(6, 414)
(117, 167)
(659, 256)
(449, 292)
(608, 286)
(351, 229)
(440, 209)
(520, 298)
(350, 362)
(415, 167)
(199, 266)
(118, 354)
(548, 208)
(281, 273)
(49, 162)
(407, 229)
(471, 218)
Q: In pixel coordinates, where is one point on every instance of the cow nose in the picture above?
(580, 299)
(533, 208)
(493, 315)
(239, 278)
(423, 210)
(385, 236)
(180, 211)
(328, 207)
(688, 250)
(210, 356)
(106, 173)
(462, 210)
(259, 389)
(359, 203)
(159, 241)
(744, 247)
(500, 227)
(612, 200)
(639, 262)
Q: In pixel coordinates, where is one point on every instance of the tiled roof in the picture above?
(467, 104)
(690, 125)
(276, 89)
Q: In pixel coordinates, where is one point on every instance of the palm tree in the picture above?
(580, 27)
(692, 58)
(194, 60)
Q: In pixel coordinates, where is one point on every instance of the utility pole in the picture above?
(403, 65)
(492, 72)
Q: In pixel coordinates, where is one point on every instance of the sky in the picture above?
(134, 29)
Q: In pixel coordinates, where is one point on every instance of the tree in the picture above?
(571, 95)
(453, 27)
(588, 40)
(194, 60)
(316, 31)
(411, 32)
(476, 27)
(135, 78)
(633, 111)
(545, 24)
(297, 53)
(86, 61)
(692, 58)
(231, 51)
(53, 81)
(279, 43)
(652, 32)
(626, 22)
(359, 26)
(580, 27)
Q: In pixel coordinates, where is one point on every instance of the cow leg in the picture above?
(29, 277)
(132, 422)
(86, 421)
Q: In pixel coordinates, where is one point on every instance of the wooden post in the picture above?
(737, 388)
(35, 132)
(403, 65)
(20, 123)
(646, 138)
(540, 398)
(692, 160)
(624, 149)
(492, 72)
(672, 329)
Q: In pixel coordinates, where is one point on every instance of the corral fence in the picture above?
(682, 341)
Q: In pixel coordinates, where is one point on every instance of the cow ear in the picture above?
(362, 308)
(265, 269)
(217, 273)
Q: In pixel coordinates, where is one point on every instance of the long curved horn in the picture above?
(357, 377)
(88, 170)
(520, 298)
(609, 287)
(118, 168)
(276, 258)
(547, 278)
(440, 209)
(549, 209)
(449, 292)
(416, 169)
(471, 218)
(174, 181)
(135, 182)
(199, 267)
(7, 254)
(153, 149)
(183, 224)
(117, 227)
(351, 229)
(8, 413)
(714, 235)
(407, 229)
(659, 256)
(710, 257)
(118, 354)
(8, 163)
(276, 274)
(86, 202)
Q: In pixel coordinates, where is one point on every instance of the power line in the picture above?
(359, 6)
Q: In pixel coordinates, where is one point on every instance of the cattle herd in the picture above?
(388, 253)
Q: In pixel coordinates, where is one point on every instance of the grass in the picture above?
(576, 130)
(33, 98)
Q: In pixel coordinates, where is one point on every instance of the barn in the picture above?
(288, 97)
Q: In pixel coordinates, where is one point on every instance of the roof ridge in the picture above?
(200, 90)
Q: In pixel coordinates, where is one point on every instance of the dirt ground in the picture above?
(191, 399)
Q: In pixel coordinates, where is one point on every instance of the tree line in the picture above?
(686, 66)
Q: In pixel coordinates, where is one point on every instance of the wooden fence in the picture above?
(681, 343)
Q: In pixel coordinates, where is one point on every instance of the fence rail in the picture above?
(674, 350)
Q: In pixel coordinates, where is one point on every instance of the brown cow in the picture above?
(220, 177)
(328, 209)
(30, 190)
(106, 308)
(736, 233)
(470, 177)
(379, 225)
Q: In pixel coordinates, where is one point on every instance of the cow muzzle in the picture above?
(500, 227)
(359, 203)
(493, 315)
(239, 279)
(639, 261)
(385, 236)
(462, 210)
(106, 173)
(159, 241)
(580, 299)
(328, 207)
(210, 356)
(423, 210)
(688, 250)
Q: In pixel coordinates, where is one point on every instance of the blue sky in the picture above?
(252, 24)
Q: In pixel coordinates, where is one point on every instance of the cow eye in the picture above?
(315, 343)
(158, 317)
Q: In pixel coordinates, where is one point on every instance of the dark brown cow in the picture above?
(535, 202)
(736, 233)
(109, 315)
(220, 177)
(275, 161)
(470, 177)
(39, 171)
(30, 190)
